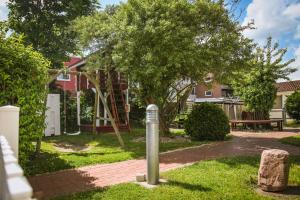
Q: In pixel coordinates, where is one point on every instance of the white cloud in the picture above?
(3, 10)
(279, 19)
(3, 3)
(296, 75)
(297, 34)
(292, 11)
(272, 19)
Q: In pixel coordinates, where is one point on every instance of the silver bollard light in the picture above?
(152, 134)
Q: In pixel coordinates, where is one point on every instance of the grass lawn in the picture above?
(293, 124)
(104, 148)
(226, 179)
(294, 140)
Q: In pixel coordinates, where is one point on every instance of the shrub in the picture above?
(137, 114)
(293, 106)
(87, 102)
(23, 76)
(207, 122)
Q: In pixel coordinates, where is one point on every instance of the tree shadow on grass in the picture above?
(235, 162)
(49, 185)
(290, 191)
(188, 186)
(238, 161)
(253, 161)
(62, 183)
(46, 162)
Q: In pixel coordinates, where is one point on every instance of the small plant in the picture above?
(293, 106)
(207, 122)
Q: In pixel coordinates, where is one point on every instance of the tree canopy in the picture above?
(165, 46)
(257, 87)
(45, 25)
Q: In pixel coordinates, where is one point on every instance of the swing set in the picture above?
(111, 109)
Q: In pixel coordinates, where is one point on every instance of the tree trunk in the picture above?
(39, 140)
(164, 124)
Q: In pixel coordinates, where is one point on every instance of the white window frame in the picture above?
(208, 95)
(60, 77)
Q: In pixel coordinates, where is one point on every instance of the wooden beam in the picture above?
(116, 129)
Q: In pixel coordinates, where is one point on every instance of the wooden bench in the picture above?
(234, 123)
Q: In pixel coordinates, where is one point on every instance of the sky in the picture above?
(277, 18)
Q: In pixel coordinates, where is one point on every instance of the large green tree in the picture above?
(45, 24)
(166, 46)
(257, 87)
(23, 76)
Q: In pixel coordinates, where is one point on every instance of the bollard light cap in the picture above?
(152, 107)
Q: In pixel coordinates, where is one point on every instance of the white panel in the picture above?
(53, 115)
(9, 126)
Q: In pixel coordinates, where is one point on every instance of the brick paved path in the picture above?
(90, 177)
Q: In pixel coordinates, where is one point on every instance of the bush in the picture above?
(137, 115)
(87, 102)
(293, 106)
(23, 76)
(207, 122)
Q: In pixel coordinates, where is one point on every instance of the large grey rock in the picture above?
(274, 170)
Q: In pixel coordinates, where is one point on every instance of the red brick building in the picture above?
(214, 91)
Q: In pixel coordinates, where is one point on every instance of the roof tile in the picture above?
(288, 86)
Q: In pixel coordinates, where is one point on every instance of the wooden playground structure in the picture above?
(111, 109)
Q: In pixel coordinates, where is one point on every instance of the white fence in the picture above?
(13, 184)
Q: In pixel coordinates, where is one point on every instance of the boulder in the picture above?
(274, 170)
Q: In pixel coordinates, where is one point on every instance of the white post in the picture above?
(105, 112)
(98, 112)
(78, 108)
(9, 126)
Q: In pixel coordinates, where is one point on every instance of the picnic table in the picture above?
(234, 123)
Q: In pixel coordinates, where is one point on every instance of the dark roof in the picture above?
(288, 86)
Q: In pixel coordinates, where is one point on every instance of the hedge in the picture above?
(23, 76)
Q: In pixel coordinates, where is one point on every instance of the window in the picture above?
(64, 77)
(278, 102)
(193, 91)
(208, 93)
(227, 93)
